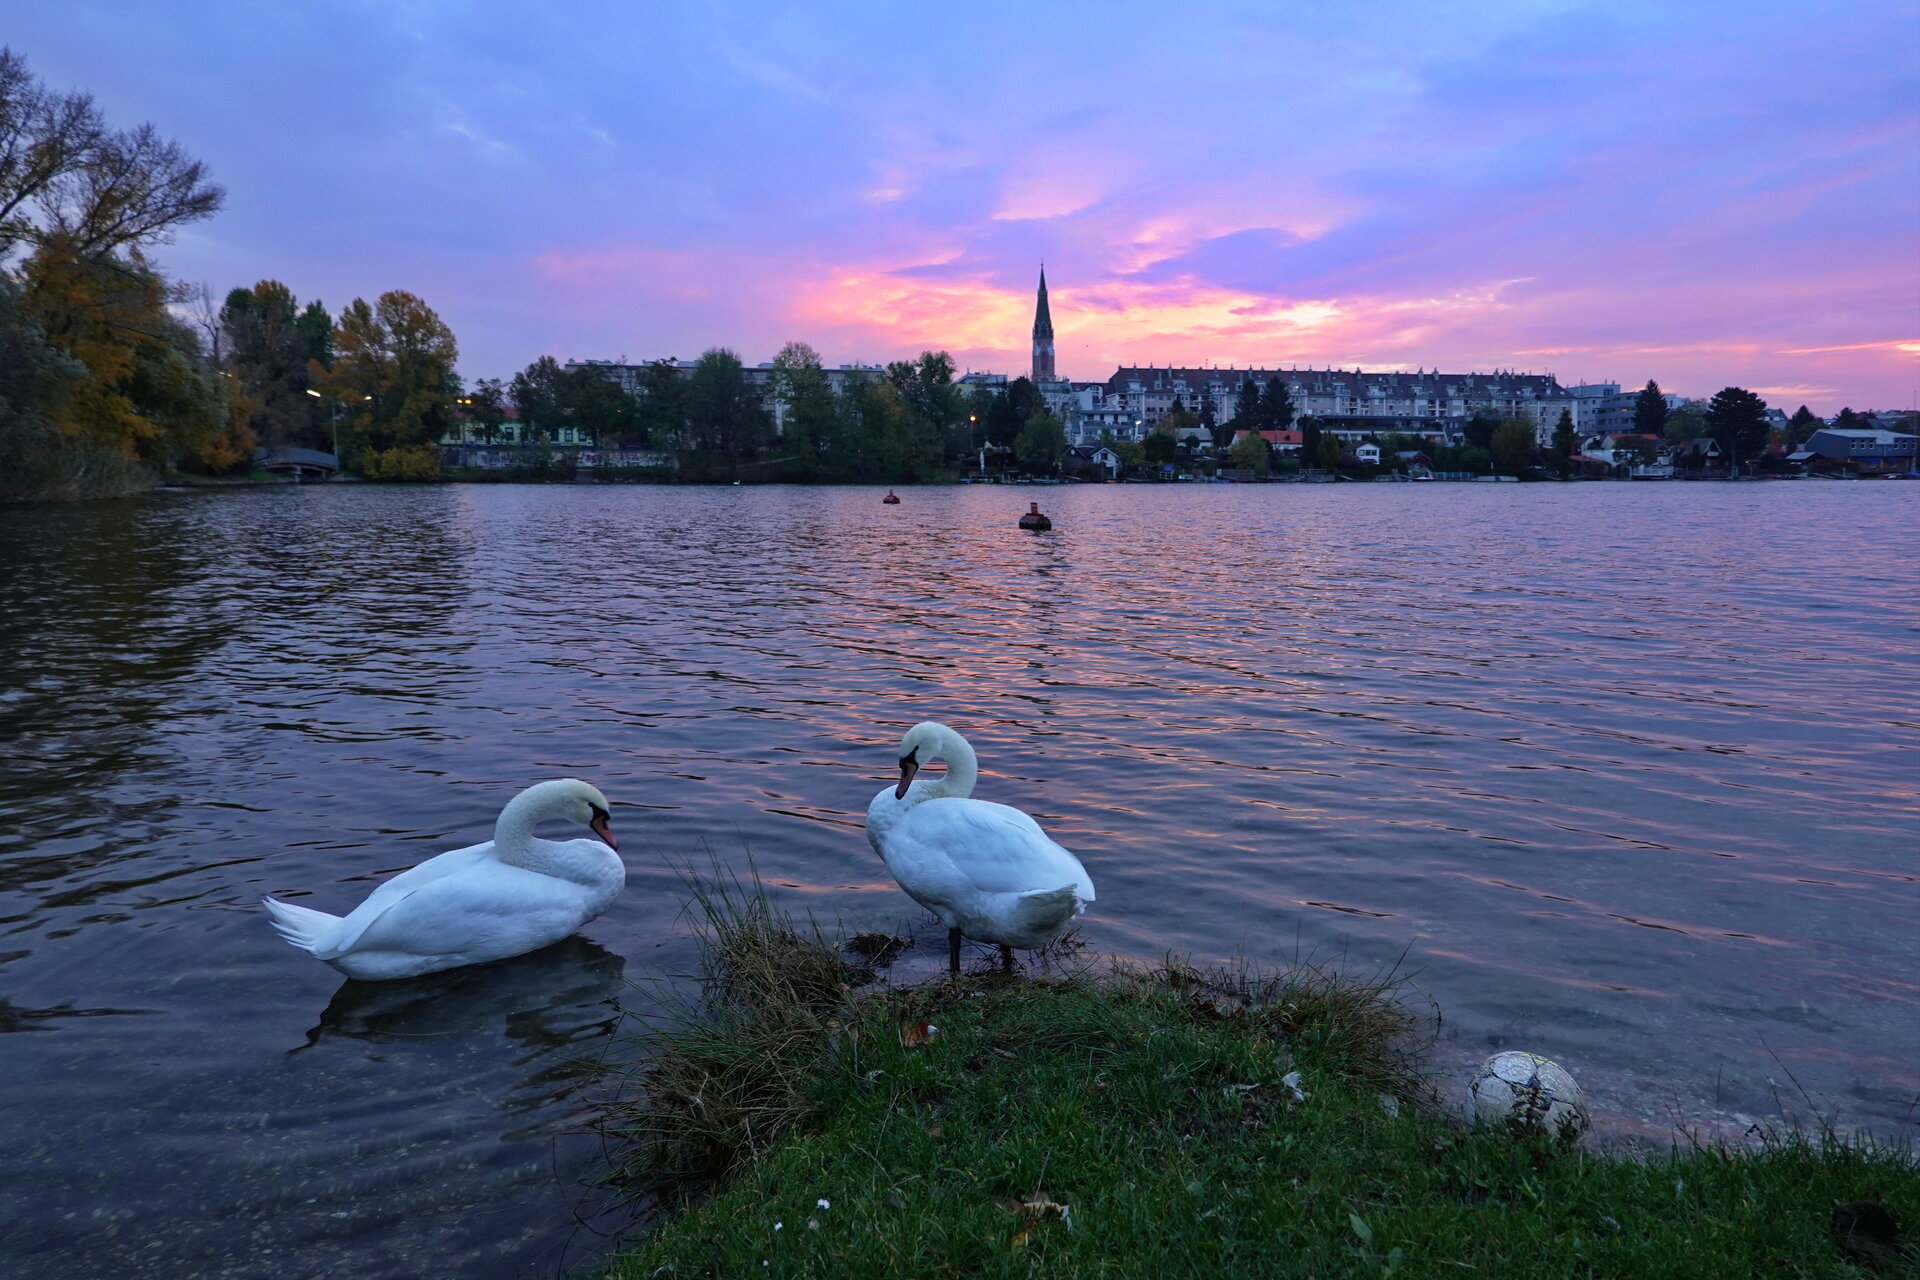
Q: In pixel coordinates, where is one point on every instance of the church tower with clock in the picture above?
(1043, 336)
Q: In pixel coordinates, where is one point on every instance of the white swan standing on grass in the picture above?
(987, 870)
(514, 894)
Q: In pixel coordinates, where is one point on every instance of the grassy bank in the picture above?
(1162, 1122)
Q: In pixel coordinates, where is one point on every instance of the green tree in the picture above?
(1209, 413)
(1737, 418)
(1042, 443)
(880, 436)
(662, 417)
(1564, 444)
(1247, 408)
(1512, 446)
(272, 354)
(724, 412)
(147, 397)
(539, 392)
(1177, 420)
(933, 406)
(487, 404)
(1802, 425)
(394, 370)
(1480, 428)
(597, 405)
(1251, 452)
(1008, 415)
(1645, 449)
(1845, 420)
(1327, 451)
(807, 401)
(1650, 411)
(1161, 446)
(1310, 440)
(1277, 405)
(38, 382)
(1685, 422)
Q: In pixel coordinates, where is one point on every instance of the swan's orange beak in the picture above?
(601, 827)
(908, 767)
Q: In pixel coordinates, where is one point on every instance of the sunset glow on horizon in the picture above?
(1617, 194)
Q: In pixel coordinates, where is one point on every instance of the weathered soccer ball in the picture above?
(1526, 1091)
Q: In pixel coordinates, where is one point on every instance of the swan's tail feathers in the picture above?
(1043, 910)
(302, 927)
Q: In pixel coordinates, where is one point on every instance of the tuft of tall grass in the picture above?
(722, 1081)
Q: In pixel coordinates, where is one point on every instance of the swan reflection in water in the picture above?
(564, 994)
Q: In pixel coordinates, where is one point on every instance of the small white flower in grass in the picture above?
(822, 1204)
(1292, 1081)
(778, 1225)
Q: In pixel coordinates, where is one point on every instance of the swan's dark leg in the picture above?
(1006, 958)
(953, 951)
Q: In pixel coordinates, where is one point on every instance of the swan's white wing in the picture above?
(995, 848)
(491, 910)
(452, 862)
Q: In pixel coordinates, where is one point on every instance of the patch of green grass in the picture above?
(1146, 1123)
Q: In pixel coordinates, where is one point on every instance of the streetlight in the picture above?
(336, 424)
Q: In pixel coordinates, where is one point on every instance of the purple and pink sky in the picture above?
(1705, 193)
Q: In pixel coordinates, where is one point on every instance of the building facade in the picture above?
(1350, 403)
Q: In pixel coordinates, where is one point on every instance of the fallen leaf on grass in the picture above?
(1292, 1081)
(1034, 1209)
(915, 1034)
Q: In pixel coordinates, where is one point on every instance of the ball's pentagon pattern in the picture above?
(1527, 1091)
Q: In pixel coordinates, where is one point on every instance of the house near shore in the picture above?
(1094, 461)
(1701, 458)
(1852, 451)
(1287, 444)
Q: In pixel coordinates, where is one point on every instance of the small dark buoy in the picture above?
(1034, 520)
(891, 499)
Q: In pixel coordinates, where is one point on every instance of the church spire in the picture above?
(1042, 334)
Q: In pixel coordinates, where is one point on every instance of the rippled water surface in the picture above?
(1628, 773)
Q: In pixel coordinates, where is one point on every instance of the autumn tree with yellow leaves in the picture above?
(100, 383)
(393, 373)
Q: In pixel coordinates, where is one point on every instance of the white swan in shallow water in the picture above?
(987, 870)
(514, 894)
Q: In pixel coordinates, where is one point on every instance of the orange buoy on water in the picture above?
(1034, 520)
(891, 499)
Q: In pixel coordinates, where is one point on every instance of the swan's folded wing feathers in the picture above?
(996, 847)
(437, 867)
(492, 908)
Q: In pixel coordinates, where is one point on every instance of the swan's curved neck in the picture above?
(513, 840)
(963, 769)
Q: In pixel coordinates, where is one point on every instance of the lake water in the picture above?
(1625, 773)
